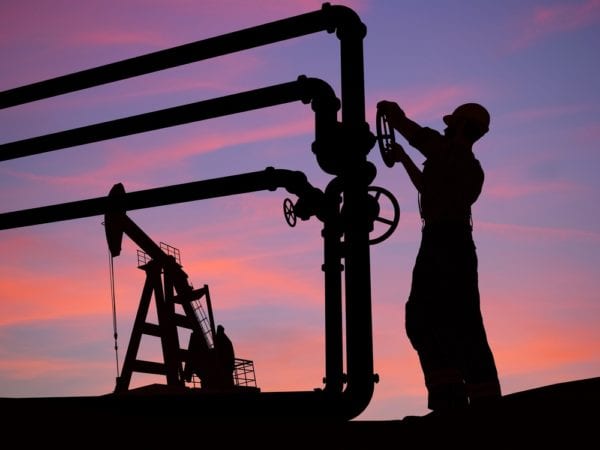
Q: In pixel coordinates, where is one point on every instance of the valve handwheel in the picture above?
(385, 138)
(392, 222)
(289, 213)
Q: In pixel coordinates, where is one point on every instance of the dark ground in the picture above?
(563, 415)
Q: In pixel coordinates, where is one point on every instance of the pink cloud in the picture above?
(118, 36)
(529, 232)
(589, 134)
(431, 102)
(286, 357)
(156, 158)
(568, 15)
(540, 113)
(206, 79)
(30, 369)
(558, 18)
(524, 189)
(271, 10)
(267, 283)
(539, 346)
(37, 296)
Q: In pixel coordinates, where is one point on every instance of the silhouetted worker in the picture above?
(443, 317)
(200, 360)
(225, 357)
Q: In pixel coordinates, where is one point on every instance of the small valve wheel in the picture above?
(289, 213)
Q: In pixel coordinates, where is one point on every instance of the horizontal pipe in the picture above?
(245, 39)
(268, 179)
(351, 32)
(179, 115)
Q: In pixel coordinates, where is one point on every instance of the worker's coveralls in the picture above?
(443, 317)
(225, 358)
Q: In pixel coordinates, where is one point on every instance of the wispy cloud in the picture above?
(548, 20)
(538, 348)
(549, 112)
(523, 189)
(28, 296)
(530, 232)
(589, 134)
(118, 36)
(125, 161)
(427, 103)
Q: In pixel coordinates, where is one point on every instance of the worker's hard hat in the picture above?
(473, 113)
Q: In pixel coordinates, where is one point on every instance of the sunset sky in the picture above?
(535, 66)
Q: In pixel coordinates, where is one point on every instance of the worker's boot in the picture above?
(447, 398)
(446, 389)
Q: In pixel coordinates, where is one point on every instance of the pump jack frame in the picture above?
(341, 150)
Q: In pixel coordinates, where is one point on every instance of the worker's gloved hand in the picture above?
(391, 110)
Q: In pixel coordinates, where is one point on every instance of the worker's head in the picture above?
(472, 119)
(220, 329)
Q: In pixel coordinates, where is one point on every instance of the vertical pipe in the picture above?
(332, 268)
(359, 335)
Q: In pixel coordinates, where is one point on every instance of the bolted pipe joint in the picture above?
(359, 137)
(329, 150)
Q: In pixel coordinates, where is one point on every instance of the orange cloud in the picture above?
(539, 347)
(30, 296)
(287, 356)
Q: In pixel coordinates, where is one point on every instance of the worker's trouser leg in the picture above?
(444, 381)
(444, 324)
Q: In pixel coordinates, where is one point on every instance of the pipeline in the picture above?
(340, 149)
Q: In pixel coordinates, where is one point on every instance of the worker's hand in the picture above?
(391, 110)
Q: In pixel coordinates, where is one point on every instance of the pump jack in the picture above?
(168, 283)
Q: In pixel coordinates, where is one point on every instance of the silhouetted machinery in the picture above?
(348, 208)
(209, 356)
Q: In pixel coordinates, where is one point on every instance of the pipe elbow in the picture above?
(345, 21)
(357, 396)
(291, 180)
(319, 94)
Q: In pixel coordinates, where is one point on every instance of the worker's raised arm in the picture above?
(410, 130)
(414, 173)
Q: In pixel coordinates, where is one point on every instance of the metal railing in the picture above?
(243, 373)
